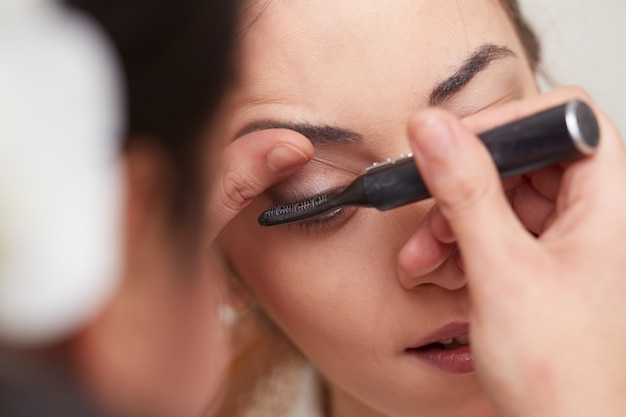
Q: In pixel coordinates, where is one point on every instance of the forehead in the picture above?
(319, 55)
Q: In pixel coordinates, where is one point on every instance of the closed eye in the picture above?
(324, 223)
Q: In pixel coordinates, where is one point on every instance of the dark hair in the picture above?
(176, 61)
(527, 35)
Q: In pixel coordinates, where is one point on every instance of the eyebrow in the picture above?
(332, 135)
(478, 61)
(318, 135)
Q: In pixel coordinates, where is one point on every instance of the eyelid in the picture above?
(338, 166)
(325, 223)
(467, 105)
(306, 184)
(495, 84)
(287, 198)
(469, 109)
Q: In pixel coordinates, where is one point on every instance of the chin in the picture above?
(461, 396)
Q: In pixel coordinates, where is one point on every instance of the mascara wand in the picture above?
(560, 133)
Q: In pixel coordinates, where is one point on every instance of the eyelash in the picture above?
(323, 223)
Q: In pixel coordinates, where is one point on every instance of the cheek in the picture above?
(305, 280)
(326, 292)
(316, 300)
(295, 282)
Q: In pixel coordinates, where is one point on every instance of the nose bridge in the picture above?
(402, 222)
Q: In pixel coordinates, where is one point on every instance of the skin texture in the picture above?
(336, 287)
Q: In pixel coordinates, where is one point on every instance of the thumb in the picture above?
(464, 181)
(249, 166)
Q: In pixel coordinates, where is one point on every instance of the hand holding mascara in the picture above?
(560, 133)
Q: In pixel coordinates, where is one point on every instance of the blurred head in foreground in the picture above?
(101, 258)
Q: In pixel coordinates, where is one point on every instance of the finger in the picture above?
(547, 181)
(587, 184)
(533, 209)
(462, 178)
(249, 166)
(528, 200)
(531, 206)
(440, 227)
(592, 197)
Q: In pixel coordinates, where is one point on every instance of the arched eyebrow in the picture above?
(478, 61)
(333, 135)
(317, 134)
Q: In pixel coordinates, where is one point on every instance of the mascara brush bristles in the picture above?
(290, 209)
(279, 214)
(353, 195)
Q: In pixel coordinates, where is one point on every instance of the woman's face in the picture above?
(348, 74)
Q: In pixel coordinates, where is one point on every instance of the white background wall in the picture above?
(584, 43)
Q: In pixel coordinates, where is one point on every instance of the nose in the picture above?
(425, 260)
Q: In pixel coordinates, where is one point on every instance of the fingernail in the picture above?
(432, 136)
(284, 157)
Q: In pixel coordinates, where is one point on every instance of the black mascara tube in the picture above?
(560, 133)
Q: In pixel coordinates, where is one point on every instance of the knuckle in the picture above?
(238, 188)
(464, 192)
(576, 91)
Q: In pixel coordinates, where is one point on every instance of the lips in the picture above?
(446, 349)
